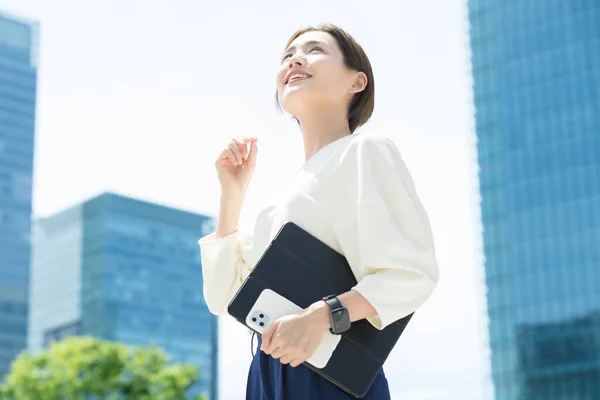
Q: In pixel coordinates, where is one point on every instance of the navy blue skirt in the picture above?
(269, 379)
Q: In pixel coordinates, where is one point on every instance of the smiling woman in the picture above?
(354, 193)
(333, 53)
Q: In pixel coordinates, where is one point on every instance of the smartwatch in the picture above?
(338, 315)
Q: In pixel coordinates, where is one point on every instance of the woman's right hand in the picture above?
(235, 166)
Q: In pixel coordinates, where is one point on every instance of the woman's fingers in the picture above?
(278, 353)
(295, 362)
(242, 147)
(227, 156)
(267, 337)
(239, 149)
(251, 159)
(233, 147)
(286, 359)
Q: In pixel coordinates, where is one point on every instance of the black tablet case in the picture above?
(303, 269)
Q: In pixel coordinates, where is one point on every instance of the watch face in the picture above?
(340, 320)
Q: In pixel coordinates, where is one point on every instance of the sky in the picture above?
(138, 97)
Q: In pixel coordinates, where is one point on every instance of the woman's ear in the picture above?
(360, 82)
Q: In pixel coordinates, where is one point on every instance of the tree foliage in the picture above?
(88, 368)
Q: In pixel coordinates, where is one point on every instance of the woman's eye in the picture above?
(311, 50)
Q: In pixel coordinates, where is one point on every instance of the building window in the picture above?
(62, 332)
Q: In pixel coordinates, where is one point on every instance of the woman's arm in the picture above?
(387, 241)
(229, 214)
(223, 253)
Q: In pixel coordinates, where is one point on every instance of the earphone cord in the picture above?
(252, 344)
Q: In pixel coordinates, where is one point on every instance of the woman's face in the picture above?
(312, 74)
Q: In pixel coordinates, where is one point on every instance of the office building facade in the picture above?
(536, 71)
(18, 87)
(124, 270)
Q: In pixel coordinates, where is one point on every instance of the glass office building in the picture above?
(125, 270)
(536, 70)
(18, 80)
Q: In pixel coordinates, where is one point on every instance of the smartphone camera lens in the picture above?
(262, 324)
(262, 315)
(253, 319)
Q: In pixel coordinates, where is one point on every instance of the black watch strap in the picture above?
(333, 302)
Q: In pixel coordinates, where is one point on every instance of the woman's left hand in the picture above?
(294, 338)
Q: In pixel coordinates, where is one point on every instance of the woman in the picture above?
(353, 192)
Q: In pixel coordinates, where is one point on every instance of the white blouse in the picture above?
(357, 196)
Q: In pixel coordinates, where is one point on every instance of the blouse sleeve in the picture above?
(224, 268)
(389, 236)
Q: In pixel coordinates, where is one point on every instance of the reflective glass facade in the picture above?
(56, 267)
(536, 70)
(18, 79)
(138, 280)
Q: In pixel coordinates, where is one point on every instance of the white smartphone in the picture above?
(270, 306)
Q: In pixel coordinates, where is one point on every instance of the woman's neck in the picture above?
(322, 128)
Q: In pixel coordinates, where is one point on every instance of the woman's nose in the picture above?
(295, 60)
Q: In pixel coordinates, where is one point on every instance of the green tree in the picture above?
(86, 368)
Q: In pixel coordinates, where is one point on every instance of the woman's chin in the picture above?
(296, 100)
